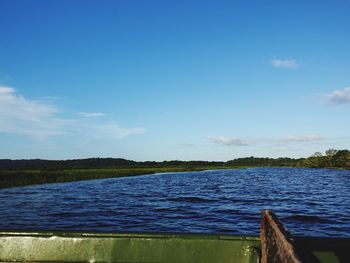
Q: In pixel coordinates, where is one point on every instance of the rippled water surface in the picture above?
(313, 202)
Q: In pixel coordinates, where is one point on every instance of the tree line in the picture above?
(332, 159)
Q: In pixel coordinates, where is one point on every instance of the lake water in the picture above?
(312, 202)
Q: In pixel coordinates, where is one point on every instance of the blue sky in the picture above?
(163, 80)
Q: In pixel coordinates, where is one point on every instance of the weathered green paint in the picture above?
(149, 247)
(90, 247)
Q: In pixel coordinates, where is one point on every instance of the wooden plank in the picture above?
(277, 243)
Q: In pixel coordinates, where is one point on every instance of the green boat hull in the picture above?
(148, 247)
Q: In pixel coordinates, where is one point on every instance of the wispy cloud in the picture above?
(29, 117)
(305, 138)
(234, 141)
(228, 141)
(284, 63)
(91, 114)
(41, 120)
(337, 97)
(115, 131)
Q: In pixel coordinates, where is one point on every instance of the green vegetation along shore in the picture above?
(28, 172)
(21, 177)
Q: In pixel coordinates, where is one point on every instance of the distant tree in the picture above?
(314, 161)
(329, 157)
(331, 152)
(341, 159)
(317, 154)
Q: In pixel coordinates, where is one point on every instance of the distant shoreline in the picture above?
(17, 178)
(28, 172)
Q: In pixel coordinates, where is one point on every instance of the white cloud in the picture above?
(91, 114)
(337, 97)
(229, 141)
(113, 130)
(24, 116)
(233, 141)
(284, 63)
(6, 90)
(40, 120)
(305, 138)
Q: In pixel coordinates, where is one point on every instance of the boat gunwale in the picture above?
(126, 234)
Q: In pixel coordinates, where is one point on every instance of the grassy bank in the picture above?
(13, 178)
